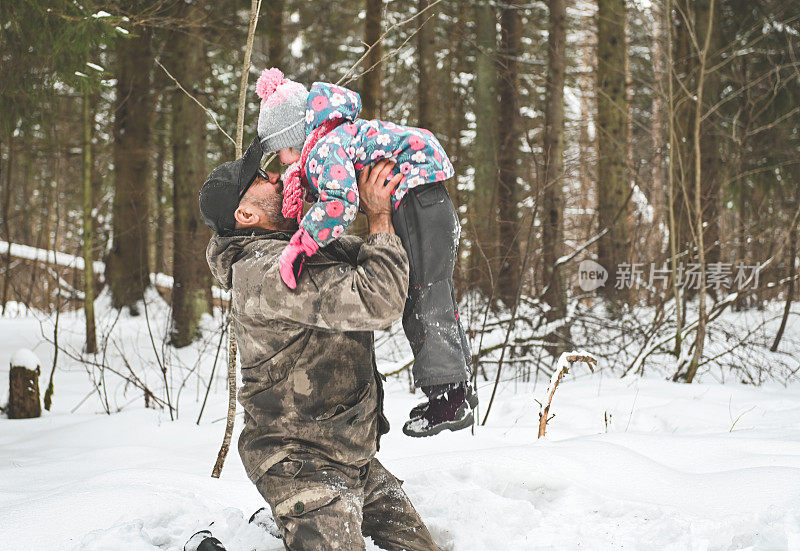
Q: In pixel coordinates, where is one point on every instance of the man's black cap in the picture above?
(225, 187)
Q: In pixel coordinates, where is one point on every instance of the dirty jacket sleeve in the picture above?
(332, 295)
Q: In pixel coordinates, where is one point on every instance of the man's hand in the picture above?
(376, 192)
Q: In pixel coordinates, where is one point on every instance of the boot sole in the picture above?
(447, 425)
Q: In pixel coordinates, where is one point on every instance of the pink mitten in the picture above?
(300, 247)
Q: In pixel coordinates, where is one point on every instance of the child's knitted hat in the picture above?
(281, 120)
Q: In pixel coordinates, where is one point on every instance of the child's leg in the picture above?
(427, 224)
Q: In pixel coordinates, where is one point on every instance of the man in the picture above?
(312, 395)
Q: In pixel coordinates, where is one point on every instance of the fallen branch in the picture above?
(565, 362)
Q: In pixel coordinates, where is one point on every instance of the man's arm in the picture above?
(337, 296)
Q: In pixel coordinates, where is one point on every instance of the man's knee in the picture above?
(389, 517)
(316, 507)
(321, 519)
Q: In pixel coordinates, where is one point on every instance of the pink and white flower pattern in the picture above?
(316, 214)
(337, 100)
(334, 163)
(350, 212)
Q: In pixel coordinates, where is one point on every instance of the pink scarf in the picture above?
(294, 176)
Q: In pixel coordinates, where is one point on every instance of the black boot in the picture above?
(448, 409)
(203, 541)
(419, 409)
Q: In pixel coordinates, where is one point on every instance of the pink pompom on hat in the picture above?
(281, 120)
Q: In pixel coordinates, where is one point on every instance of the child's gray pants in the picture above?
(427, 224)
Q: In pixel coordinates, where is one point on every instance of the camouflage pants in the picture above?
(320, 506)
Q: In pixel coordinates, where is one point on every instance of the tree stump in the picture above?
(23, 392)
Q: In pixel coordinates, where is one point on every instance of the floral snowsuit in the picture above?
(423, 217)
(339, 156)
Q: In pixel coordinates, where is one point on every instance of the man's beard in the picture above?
(273, 210)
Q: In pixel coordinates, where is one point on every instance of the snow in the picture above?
(57, 258)
(633, 463)
(25, 357)
(66, 260)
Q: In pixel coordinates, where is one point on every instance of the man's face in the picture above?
(266, 189)
(264, 201)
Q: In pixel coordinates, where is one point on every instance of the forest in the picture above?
(627, 179)
(657, 139)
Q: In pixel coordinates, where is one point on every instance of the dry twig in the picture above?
(564, 364)
(208, 111)
(255, 8)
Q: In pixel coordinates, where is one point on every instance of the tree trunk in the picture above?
(612, 188)
(657, 190)
(128, 268)
(672, 189)
(457, 121)
(88, 228)
(684, 60)
(483, 219)
(508, 139)
(372, 90)
(553, 148)
(702, 320)
(56, 178)
(190, 291)
(160, 233)
(23, 393)
(710, 167)
(273, 17)
(24, 188)
(426, 64)
(587, 164)
(791, 259)
(6, 224)
(43, 230)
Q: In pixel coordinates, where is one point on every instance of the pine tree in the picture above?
(426, 63)
(190, 290)
(483, 220)
(509, 129)
(88, 226)
(613, 194)
(128, 266)
(372, 86)
(553, 171)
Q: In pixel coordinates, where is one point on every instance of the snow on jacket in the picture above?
(310, 383)
(335, 161)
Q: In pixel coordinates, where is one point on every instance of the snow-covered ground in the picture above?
(634, 463)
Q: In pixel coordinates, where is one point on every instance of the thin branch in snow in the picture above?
(565, 362)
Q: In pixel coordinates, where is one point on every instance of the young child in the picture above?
(327, 145)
